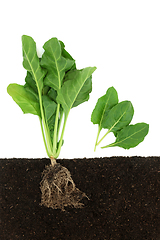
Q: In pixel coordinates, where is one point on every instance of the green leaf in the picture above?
(119, 116)
(30, 85)
(55, 63)
(50, 113)
(65, 54)
(49, 107)
(45, 90)
(52, 94)
(130, 136)
(31, 61)
(30, 82)
(25, 99)
(86, 89)
(72, 89)
(83, 95)
(104, 105)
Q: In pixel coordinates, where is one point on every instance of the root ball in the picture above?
(58, 188)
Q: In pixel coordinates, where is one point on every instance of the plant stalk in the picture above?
(110, 145)
(61, 138)
(55, 137)
(99, 129)
(103, 137)
(44, 137)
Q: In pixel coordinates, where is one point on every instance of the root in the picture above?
(58, 189)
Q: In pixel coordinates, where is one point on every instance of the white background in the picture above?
(121, 38)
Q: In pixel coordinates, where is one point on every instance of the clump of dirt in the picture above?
(58, 188)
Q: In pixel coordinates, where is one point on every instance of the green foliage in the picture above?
(116, 117)
(55, 63)
(75, 91)
(52, 87)
(104, 105)
(119, 116)
(27, 101)
(130, 136)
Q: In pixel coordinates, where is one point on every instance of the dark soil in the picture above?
(124, 203)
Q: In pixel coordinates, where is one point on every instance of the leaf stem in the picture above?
(103, 137)
(44, 137)
(48, 140)
(110, 145)
(55, 135)
(110, 129)
(60, 122)
(99, 129)
(61, 138)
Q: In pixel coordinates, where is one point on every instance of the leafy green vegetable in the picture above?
(31, 61)
(75, 91)
(130, 136)
(104, 105)
(55, 63)
(24, 98)
(119, 116)
(52, 87)
(102, 108)
(116, 117)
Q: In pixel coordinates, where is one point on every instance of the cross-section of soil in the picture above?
(123, 192)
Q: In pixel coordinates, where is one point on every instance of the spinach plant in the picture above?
(53, 86)
(116, 116)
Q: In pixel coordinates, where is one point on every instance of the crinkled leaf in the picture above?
(31, 61)
(71, 89)
(119, 116)
(104, 105)
(55, 63)
(25, 99)
(131, 136)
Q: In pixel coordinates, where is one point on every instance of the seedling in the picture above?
(116, 117)
(53, 85)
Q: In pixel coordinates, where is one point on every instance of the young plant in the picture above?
(116, 117)
(53, 86)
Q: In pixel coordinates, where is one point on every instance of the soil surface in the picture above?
(124, 203)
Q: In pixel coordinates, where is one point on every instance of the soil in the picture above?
(123, 192)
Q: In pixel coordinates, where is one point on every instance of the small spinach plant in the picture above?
(116, 116)
(53, 86)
